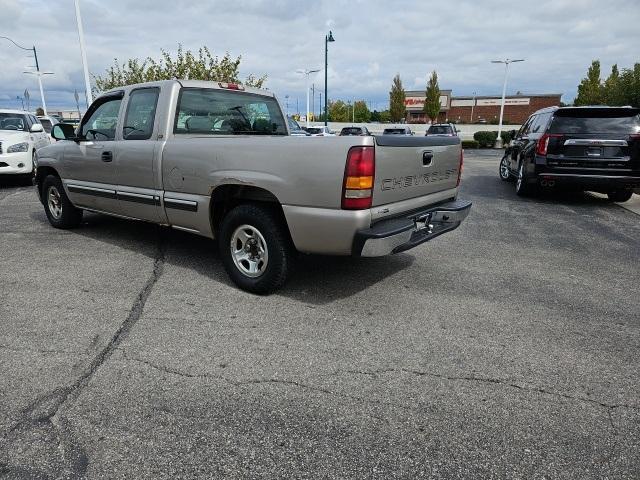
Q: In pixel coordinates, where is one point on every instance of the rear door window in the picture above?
(208, 111)
(141, 112)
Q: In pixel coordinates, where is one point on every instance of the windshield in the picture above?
(620, 121)
(13, 121)
(314, 131)
(223, 112)
(293, 125)
(351, 131)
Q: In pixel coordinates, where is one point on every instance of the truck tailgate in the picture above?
(409, 167)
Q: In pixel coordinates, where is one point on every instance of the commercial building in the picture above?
(479, 109)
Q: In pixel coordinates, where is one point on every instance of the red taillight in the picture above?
(460, 167)
(543, 143)
(231, 86)
(357, 190)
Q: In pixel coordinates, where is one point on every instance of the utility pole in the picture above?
(320, 107)
(38, 73)
(286, 98)
(313, 100)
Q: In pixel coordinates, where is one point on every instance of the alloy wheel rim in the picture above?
(520, 175)
(54, 202)
(504, 169)
(249, 251)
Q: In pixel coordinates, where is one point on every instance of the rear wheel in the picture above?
(620, 195)
(523, 187)
(255, 248)
(505, 174)
(59, 209)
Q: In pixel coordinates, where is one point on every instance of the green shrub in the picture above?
(470, 144)
(506, 136)
(485, 139)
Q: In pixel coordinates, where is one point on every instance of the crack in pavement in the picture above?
(38, 350)
(45, 408)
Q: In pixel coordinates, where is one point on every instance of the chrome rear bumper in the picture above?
(402, 233)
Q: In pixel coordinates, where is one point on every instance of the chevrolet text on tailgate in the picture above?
(217, 159)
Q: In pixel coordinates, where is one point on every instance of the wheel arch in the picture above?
(227, 196)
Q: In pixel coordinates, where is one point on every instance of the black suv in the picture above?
(586, 148)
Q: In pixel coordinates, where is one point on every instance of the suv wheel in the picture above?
(255, 248)
(620, 195)
(505, 174)
(523, 188)
(59, 209)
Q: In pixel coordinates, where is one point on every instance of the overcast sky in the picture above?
(374, 41)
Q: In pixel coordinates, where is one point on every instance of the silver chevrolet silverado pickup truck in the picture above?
(216, 159)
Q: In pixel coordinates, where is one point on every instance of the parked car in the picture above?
(295, 130)
(320, 132)
(48, 122)
(21, 135)
(442, 130)
(354, 131)
(397, 131)
(193, 155)
(586, 148)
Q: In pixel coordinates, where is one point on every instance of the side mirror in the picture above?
(63, 131)
(513, 134)
(36, 128)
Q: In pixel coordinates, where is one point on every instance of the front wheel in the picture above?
(620, 195)
(255, 248)
(505, 174)
(59, 209)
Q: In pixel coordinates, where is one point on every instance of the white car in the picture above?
(320, 132)
(21, 134)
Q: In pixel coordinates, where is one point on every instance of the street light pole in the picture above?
(473, 104)
(327, 39)
(504, 90)
(307, 73)
(83, 53)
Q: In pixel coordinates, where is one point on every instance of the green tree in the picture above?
(385, 116)
(630, 86)
(590, 91)
(397, 108)
(432, 100)
(362, 114)
(339, 111)
(612, 91)
(186, 65)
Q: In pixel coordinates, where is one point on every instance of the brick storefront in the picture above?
(459, 109)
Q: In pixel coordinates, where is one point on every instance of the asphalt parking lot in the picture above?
(506, 349)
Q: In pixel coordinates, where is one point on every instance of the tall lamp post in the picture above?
(83, 53)
(327, 39)
(473, 104)
(307, 73)
(37, 72)
(504, 90)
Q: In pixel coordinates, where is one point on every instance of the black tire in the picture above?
(61, 214)
(272, 235)
(523, 187)
(620, 195)
(503, 170)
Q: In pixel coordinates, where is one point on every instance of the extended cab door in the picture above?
(89, 166)
(138, 147)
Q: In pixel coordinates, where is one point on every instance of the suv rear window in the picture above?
(614, 120)
(351, 131)
(210, 111)
(440, 130)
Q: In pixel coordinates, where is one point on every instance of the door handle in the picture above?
(427, 158)
(107, 156)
